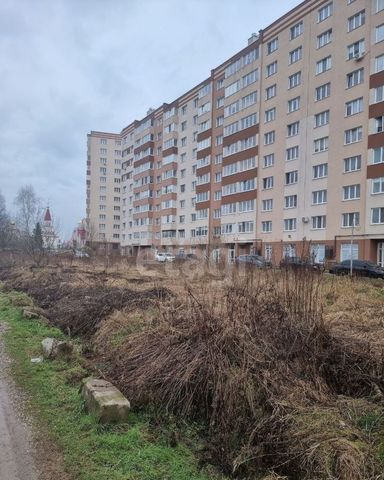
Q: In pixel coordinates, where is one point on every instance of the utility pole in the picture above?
(354, 227)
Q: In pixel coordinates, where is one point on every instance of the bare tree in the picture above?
(5, 225)
(29, 209)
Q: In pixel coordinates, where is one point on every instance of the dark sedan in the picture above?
(300, 263)
(359, 267)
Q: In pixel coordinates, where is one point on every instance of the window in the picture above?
(295, 55)
(353, 135)
(379, 37)
(246, 206)
(356, 50)
(250, 78)
(320, 145)
(294, 80)
(292, 153)
(290, 201)
(296, 30)
(377, 215)
(289, 224)
(206, 107)
(379, 64)
(239, 166)
(379, 124)
(379, 5)
(218, 159)
(320, 171)
(353, 107)
(377, 185)
(293, 104)
(232, 108)
(351, 192)
(269, 138)
(217, 195)
(324, 38)
(228, 209)
(323, 65)
(269, 160)
(220, 102)
(322, 118)
(293, 129)
(352, 164)
(355, 78)
(322, 92)
(319, 222)
(270, 115)
(356, 21)
(378, 155)
(350, 219)
(271, 69)
(272, 45)
(270, 92)
(267, 183)
(249, 100)
(232, 88)
(219, 140)
(324, 12)
(291, 177)
(267, 205)
(319, 197)
(266, 227)
(379, 94)
(245, 227)
(217, 177)
(219, 121)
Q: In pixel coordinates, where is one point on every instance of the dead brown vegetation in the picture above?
(284, 369)
(257, 362)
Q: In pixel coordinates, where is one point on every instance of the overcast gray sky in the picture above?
(71, 66)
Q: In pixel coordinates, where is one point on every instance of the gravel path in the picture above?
(16, 461)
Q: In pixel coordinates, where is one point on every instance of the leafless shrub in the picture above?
(256, 362)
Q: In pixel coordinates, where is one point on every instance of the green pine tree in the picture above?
(38, 237)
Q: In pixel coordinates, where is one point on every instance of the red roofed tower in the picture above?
(49, 235)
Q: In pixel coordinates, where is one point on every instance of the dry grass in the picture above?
(259, 364)
(285, 369)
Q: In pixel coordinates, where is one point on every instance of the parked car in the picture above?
(184, 257)
(251, 260)
(164, 257)
(81, 254)
(300, 263)
(359, 267)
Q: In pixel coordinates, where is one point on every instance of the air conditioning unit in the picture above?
(359, 56)
(305, 219)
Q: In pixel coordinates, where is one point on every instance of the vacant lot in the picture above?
(281, 373)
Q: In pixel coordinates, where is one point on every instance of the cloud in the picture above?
(71, 66)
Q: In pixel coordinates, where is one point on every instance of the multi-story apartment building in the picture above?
(281, 147)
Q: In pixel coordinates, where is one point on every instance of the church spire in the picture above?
(47, 216)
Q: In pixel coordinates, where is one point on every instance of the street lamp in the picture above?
(354, 227)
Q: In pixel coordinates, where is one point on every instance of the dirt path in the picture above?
(16, 461)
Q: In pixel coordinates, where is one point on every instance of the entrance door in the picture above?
(380, 254)
(231, 255)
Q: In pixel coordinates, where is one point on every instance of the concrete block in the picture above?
(104, 401)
